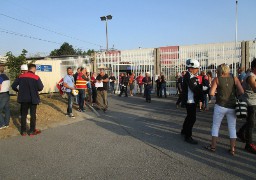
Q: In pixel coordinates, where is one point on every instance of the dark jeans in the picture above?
(112, 87)
(123, 89)
(189, 120)
(4, 106)
(70, 102)
(163, 87)
(158, 89)
(81, 97)
(248, 126)
(179, 99)
(24, 112)
(148, 93)
(94, 94)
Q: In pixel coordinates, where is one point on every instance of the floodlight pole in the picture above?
(107, 33)
(236, 43)
(106, 18)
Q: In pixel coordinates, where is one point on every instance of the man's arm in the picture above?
(15, 84)
(40, 85)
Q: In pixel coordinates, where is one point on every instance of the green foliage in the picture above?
(13, 63)
(67, 49)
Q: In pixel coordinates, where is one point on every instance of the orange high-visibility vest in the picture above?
(80, 82)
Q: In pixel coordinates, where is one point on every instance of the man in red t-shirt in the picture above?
(139, 82)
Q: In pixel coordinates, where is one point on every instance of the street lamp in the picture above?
(106, 18)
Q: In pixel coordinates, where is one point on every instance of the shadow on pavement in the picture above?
(158, 125)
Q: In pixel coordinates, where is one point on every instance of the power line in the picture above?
(26, 36)
(47, 29)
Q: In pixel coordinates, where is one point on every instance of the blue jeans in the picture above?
(112, 87)
(163, 87)
(81, 97)
(70, 102)
(4, 106)
(140, 86)
(206, 102)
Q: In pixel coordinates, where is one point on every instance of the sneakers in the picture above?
(250, 148)
(23, 134)
(71, 115)
(79, 110)
(190, 140)
(35, 132)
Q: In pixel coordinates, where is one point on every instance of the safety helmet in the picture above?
(192, 63)
(24, 67)
(75, 92)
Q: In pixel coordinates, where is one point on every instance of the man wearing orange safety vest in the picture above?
(81, 82)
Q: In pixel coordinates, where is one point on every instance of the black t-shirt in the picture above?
(112, 78)
(105, 84)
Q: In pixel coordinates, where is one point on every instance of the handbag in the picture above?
(241, 109)
(241, 106)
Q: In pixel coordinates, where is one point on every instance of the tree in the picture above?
(13, 63)
(65, 49)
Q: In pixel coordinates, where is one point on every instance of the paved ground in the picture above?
(133, 140)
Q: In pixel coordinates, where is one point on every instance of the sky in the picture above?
(135, 23)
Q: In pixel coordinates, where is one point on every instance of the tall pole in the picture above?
(107, 33)
(236, 57)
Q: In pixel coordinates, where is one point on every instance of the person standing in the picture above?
(180, 84)
(148, 87)
(102, 94)
(163, 87)
(4, 99)
(246, 131)
(191, 92)
(131, 83)
(226, 86)
(112, 81)
(28, 96)
(23, 69)
(75, 77)
(124, 83)
(69, 84)
(241, 74)
(81, 81)
(139, 82)
(158, 86)
(94, 89)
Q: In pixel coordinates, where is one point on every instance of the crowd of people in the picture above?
(27, 85)
(195, 90)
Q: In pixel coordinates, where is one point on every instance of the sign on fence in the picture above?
(44, 68)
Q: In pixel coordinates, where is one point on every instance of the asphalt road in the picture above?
(132, 140)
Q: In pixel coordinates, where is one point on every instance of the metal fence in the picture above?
(171, 60)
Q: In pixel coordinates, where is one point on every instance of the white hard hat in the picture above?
(192, 63)
(24, 67)
(75, 92)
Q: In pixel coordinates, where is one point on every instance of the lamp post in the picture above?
(236, 45)
(106, 18)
